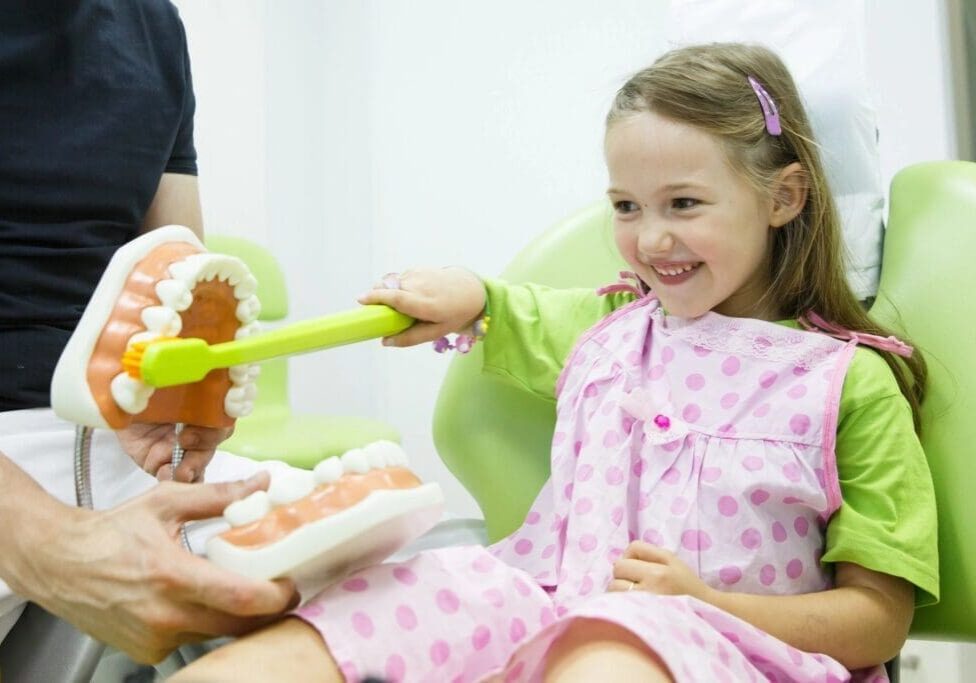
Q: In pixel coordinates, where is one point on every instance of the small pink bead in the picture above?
(662, 421)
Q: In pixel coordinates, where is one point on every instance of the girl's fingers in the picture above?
(621, 586)
(639, 550)
(418, 333)
(629, 570)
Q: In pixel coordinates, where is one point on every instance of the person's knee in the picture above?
(589, 646)
(290, 650)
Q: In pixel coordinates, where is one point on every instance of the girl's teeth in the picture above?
(675, 270)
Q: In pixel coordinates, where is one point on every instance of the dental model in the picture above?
(163, 284)
(316, 527)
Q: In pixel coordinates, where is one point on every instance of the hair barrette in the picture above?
(769, 110)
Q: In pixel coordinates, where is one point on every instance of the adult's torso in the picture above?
(93, 96)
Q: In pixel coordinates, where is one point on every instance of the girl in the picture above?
(737, 490)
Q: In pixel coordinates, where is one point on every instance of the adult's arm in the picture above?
(120, 574)
(177, 202)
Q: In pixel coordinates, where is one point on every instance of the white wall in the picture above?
(359, 136)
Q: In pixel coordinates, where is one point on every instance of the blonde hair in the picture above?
(706, 86)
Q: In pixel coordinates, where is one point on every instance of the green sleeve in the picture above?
(533, 329)
(887, 520)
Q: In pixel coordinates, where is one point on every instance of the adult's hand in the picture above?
(122, 576)
(151, 447)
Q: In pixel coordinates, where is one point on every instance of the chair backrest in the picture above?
(927, 277)
(495, 438)
(272, 383)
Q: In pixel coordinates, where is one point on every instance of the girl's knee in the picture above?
(590, 646)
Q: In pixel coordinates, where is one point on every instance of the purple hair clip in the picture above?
(770, 113)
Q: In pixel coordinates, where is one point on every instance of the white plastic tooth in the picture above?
(328, 471)
(248, 510)
(249, 330)
(175, 294)
(235, 402)
(376, 459)
(162, 320)
(355, 461)
(389, 451)
(254, 371)
(239, 374)
(248, 309)
(145, 336)
(248, 286)
(189, 269)
(380, 451)
(246, 408)
(130, 394)
(233, 270)
(290, 485)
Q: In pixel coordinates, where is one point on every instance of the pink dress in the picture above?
(712, 438)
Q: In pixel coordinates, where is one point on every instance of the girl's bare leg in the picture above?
(593, 650)
(288, 650)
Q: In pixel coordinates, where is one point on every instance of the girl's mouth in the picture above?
(675, 274)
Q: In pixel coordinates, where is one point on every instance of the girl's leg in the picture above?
(288, 650)
(589, 649)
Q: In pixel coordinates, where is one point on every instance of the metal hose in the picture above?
(83, 492)
(175, 459)
(82, 466)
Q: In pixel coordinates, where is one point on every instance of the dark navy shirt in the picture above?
(96, 103)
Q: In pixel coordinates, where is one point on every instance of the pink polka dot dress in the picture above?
(712, 438)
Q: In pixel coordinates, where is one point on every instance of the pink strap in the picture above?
(638, 289)
(892, 344)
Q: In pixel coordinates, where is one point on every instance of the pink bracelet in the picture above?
(464, 342)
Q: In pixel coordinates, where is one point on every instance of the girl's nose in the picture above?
(654, 240)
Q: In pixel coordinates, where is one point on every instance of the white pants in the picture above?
(43, 446)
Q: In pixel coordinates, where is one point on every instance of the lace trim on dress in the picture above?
(754, 339)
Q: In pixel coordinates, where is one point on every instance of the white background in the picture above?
(354, 137)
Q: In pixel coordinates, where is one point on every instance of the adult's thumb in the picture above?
(190, 502)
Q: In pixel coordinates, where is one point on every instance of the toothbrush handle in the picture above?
(348, 327)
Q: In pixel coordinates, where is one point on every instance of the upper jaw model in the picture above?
(162, 284)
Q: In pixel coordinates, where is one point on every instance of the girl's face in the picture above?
(691, 227)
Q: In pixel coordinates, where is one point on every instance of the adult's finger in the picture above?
(226, 592)
(189, 502)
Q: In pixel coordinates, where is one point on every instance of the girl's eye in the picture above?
(684, 203)
(625, 206)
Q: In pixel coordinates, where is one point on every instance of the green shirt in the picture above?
(887, 518)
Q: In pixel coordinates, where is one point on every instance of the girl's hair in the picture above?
(706, 86)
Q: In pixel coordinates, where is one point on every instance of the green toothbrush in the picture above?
(172, 361)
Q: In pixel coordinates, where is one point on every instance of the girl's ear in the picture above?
(789, 194)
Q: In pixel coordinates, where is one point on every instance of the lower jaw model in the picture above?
(315, 527)
(312, 527)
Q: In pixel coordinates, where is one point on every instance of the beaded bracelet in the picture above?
(464, 342)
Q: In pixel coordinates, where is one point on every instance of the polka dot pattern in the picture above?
(739, 495)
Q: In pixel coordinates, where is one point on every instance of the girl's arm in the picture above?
(532, 329)
(862, 622)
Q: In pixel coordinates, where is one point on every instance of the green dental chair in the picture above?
(495, 438)
(273, 431)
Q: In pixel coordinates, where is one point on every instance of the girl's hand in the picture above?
(443, 300)
(649, 568)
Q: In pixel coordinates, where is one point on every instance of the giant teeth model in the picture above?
(162, 284)
(315, 527)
